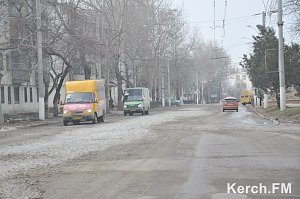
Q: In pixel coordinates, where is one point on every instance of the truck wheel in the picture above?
(131, 114)
(94, 118)
(125, 114)
(147, 112)
(65, 123)
(143, 112)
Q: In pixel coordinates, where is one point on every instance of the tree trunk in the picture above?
(277, 99)
(46, 99)
(57, 92)
(120, 91)
(86, 67)
(46, 78)
(119, 81)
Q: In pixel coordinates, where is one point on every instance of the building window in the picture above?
(2, 95)
(30, 95)
(25, 94)
(37, 94)
(9, 95)
(1, 61)
(16, 95)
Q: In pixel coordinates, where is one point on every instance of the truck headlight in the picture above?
(140, 105)
(89, 110)
(125, 106)
(66, 112)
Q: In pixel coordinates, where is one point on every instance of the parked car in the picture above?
(230, 103)
(174, 102)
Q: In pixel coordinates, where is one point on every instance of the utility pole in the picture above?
(197, 87)
(163, 91)
(1, 113)
(40, 61)
(99, 31)
(265, 94)
(264, 19)
(107, 69)
(281, 58)
(202, 88)
(169, 84)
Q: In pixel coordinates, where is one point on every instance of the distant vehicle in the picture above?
(230, 103)
(85, 101)
(136, 100)
(246, 97)
(174, 102)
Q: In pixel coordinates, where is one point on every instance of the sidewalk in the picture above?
(29, 122)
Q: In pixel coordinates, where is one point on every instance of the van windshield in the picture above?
(73, 98)
(133, 95)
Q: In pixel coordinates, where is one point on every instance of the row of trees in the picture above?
(126, 41)
(262, 63)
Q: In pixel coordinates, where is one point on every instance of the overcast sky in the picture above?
(240, 14)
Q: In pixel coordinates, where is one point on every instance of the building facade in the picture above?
(18, 82)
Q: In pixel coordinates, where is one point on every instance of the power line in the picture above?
(230, 19)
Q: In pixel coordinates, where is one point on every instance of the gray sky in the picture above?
(239, 15)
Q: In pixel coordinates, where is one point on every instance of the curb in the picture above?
(42, 124)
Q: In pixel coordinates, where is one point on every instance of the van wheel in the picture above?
(131, 114)
(94, 118)
(65, 123)
(147, 112)
(125, 114)
(237, 110)
(143, 112)
(223, 110)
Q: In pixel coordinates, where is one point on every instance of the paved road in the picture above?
(187, 152)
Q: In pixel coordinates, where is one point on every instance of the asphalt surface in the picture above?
(185, 152)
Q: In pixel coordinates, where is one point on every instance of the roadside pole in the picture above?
(202, 100)
(169, 84)
(40, 61)
(1, 113)
(163, 91)
(265, 101)
(281, 58)
(197, 87)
